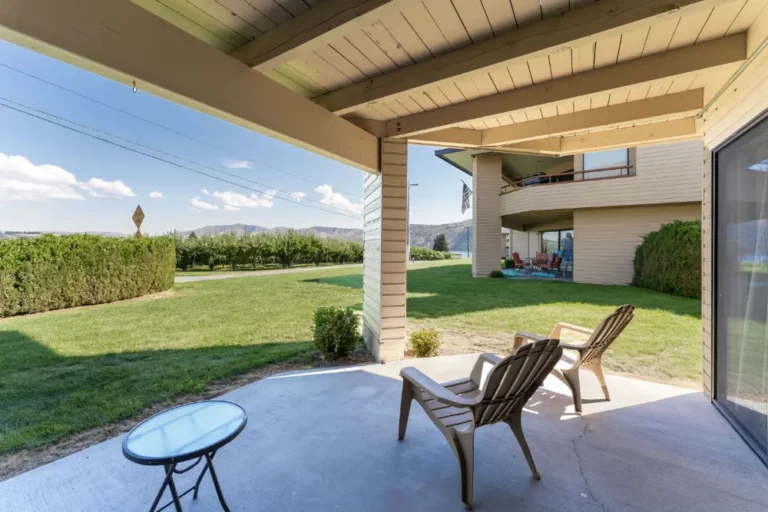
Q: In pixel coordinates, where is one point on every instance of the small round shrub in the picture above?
(425, 343)
(496, 274)
(335, 332)
(669, 260)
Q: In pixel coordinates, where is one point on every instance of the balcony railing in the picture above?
(567, 177)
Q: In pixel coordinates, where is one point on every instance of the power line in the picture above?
(158, 125)
(166, 161)
(150, 148)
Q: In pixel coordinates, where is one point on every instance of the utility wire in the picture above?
(158, 125)
(129, 141)
(166, 161)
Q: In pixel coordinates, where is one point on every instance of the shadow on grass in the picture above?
(46, 396)
(450, 290)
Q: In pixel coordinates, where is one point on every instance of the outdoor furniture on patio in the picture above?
(179, 434)
(517, 261)
(588, 355)
(458, 407)
(554, 263)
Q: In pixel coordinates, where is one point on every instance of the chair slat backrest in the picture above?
(516, 257)
(541, 257)
(514, 380)
(607, 332)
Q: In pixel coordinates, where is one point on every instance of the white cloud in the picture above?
(197, 203)
(237, 164)
(21, 180)
(101, 188)
(298, 196)
(235, 200)
(337, 199)
(231, 208)
(156, 194)
(204, 191)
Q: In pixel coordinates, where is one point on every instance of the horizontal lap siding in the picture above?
(665, 173)
(605, 238)
(384, 284)
(486, 222)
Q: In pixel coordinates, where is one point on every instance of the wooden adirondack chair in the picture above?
(459, 407)
(590, 354)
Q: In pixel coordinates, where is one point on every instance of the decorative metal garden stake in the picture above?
(138, 218)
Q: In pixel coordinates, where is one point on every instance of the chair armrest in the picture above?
(557, 331)
(570, 346)
(522, 336)
(477, 371)
(441, 394)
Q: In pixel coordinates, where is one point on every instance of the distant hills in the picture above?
(422, 235)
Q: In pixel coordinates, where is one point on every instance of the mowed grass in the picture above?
(67, 371)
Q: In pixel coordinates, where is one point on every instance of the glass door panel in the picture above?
(741, 285)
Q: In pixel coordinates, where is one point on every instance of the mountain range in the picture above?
(422, 235)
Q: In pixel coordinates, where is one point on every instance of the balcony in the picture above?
(606, 173)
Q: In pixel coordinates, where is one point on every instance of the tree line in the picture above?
(258, 249)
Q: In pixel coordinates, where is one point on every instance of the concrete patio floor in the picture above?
(326, 440)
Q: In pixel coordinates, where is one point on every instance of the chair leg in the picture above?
(405, 408)
(572, 379)
(597, 369)
(515, 422)
(465, 451)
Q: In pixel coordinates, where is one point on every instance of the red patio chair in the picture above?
(553, 263)
(541, 259)
(517, 261)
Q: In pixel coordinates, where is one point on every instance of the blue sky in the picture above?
(53, 179)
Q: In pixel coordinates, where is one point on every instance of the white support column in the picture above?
(385, 227)
(486, 214)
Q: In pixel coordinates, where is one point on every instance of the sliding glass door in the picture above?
(741, 283)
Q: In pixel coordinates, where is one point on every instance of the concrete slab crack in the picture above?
(590, 494)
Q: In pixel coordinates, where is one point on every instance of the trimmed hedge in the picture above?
(669, 260)
(53, 272)
(422, 254)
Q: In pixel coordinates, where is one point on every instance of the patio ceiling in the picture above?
(550, 77)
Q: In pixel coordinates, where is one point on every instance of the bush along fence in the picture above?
(284, 249)
(52, 272)
(669, 260)
(422, 254)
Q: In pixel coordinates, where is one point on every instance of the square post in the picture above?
(385, 239)
(486, 214)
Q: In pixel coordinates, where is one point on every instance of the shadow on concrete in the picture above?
(326, 440)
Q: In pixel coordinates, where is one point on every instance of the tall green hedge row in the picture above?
(53, 272)
(422, 254)
(669, 260)
(285, 249)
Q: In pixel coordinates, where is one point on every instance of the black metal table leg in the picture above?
(202, 474)
(174, 494)
(209, 459)
(168, 480)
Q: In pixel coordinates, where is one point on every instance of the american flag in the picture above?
(465, 193)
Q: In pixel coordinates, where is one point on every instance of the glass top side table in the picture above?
(184, 433)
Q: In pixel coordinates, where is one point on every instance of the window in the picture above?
(605, 159)
(741, 284)
(552, 241)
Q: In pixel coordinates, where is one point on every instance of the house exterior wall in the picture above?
(605, 238)
(665, 174)
(744, 100)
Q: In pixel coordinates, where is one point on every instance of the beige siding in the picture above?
(605, 238)
(665, 174)
(742, 101)
(525, 243)
(486, 222)
(384, 314)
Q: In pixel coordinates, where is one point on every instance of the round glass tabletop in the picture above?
(184, 432)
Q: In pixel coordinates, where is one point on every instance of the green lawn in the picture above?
(65, 371)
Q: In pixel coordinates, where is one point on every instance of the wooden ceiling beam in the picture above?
(697, 58)
(652, 133)
(573, 28)
(320, 25)
(124, 42)
(682, 104)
